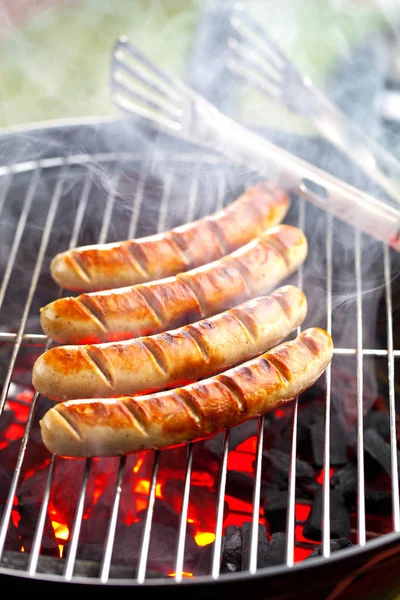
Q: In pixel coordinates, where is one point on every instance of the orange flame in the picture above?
(138, 464)
(143, 487)
(203, 538)
(61, 532)
(184, 574)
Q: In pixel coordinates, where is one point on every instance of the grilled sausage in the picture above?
(149, 308)
(106, 266)
(174, 358)
(117, 426)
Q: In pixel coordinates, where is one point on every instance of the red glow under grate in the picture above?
(202, 499)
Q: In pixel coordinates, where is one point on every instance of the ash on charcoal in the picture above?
(164, 514)
(279, 434)
(232, 554)
(56, 566)
(27, 526)
(339, 544)
(162, 548)
(269, 552)
(65, 487)
(377, 501)
(275, 509)
(12, 540)
(377, 454)
(241, 485)
(30, 495)
(36, 456)
(346, 478)
(276, 467)
(379, 421)
(338, 447)
(339, 516)
(5, 482)
(92, 531)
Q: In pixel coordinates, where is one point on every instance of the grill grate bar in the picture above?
(109, 545)
(326, 534)
(18, 341)
(18, 234)
(144, 547)
(137, 202)
(28, 339)
(98, 158)
(6, 182)
(83, 202)
(39, 532)
(192, 200)
(76, 528)
(37, 540)
(216, 559)
(256, 498)
(365, 352)
(359, 352)
(392, 404)
(184, 512)
(360, 405)
(291, 510)
(32, 288)
(17, 471)
(39, 339)
(109, 205)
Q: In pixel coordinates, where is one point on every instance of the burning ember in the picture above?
(61, 532)
(202, 508)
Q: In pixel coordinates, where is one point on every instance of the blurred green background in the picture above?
(55, 56)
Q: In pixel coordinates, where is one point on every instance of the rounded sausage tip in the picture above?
(168, 359)
(116, 426)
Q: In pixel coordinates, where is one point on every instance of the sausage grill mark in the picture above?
(115, 426)
(96, 355)
(89, 304)
(244, 326)
(70, 424)
(157, 356)
(135, 258)
(134, 261)
(135, 414)
(190, 405)
(174, 357)
(193, 334)
(78, 264)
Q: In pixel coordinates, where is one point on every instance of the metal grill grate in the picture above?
(104, 172)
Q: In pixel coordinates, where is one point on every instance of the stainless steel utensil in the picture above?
(142, 88)
(258, 60)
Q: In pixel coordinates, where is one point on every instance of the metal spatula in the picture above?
(140, 87)
(258, 60)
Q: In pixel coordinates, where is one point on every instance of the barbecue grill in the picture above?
(163, 519)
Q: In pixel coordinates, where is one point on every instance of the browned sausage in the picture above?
(148, 308)
(106, 266)
(173, 358)
(117, 426)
